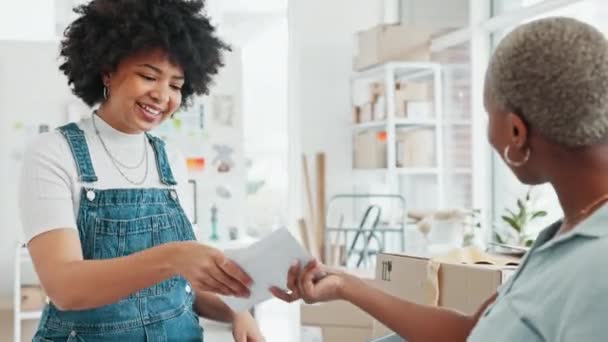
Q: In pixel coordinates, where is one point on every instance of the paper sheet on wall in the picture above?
(267, 262)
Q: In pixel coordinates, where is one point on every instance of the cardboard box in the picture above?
(418, 110)
(356, 114)
(406, 93)
(376, 89)
(369, 150)
(386, 43)
(339, 321)
(415, 147)
(462, 287)
(337, 313)
(367, 112)
(334, 334)
(378, 100)
(380, 108)
(339, 334)
(411, 100)
(33, 298)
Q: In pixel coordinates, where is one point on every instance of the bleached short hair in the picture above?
(554, 73)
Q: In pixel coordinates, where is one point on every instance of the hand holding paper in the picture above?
(267, 263)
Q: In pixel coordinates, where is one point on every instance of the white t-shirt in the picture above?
(50, 188)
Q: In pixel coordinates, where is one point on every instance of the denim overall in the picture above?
(118, 222)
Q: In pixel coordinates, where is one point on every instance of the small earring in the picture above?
(105, 92)
(513, 163)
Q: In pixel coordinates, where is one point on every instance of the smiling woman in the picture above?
(146, 84)
(107, 32)
(101, 199)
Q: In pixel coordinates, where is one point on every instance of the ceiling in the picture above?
(238, 21)
(241, 20)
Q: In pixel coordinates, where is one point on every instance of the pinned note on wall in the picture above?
(195, 163)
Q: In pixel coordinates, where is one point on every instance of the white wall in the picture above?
(265, 123)
(229, 81)
(322, 41)
(436, 13)
(32, 91)
(27, 20)
(194, 142)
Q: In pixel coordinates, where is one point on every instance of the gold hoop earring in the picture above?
(513, 163)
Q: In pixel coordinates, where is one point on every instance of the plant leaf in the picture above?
(498, 238)
(513, 214)
(513, 223)
(523, 215)
(520, 205)
(537, 214)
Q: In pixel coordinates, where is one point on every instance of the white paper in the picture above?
(267, 262)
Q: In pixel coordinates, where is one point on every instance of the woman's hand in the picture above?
(207, 269)
(315, 283)
(245, 328)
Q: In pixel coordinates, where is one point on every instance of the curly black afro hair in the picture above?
(107, 31)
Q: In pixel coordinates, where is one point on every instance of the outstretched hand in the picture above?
(314, 283)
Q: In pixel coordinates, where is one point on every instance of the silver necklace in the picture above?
(141, 160)
(117, 164)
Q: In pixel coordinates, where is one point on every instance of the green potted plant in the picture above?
(516, 223)
(472, 228)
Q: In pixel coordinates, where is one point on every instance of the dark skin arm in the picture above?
(414, 322)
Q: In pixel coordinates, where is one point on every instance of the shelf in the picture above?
(409, 122)
(460, 171)
(416, 171)
(413, 171)
(401, 70)
(24, 254)
(398, 123)
(370, 172)
(30, 315)
(406, 171)
(370, 125)
(458, 122)
(415, 122)
(378, 229)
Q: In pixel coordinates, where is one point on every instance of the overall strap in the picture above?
(80, 151)
(162, 162)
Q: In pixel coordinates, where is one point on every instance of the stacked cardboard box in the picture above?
(33, 298)
(415, 147)
(463, 287)
(386, 43)
(369, 150)
(453, 281)
(339, 321)
(412, 100)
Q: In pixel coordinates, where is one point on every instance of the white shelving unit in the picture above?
(21, 256)
(388, 74)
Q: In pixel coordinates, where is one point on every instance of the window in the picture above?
(457, 132)
(504, 6)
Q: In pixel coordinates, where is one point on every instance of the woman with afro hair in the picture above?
(546, 95)
(101, 198)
